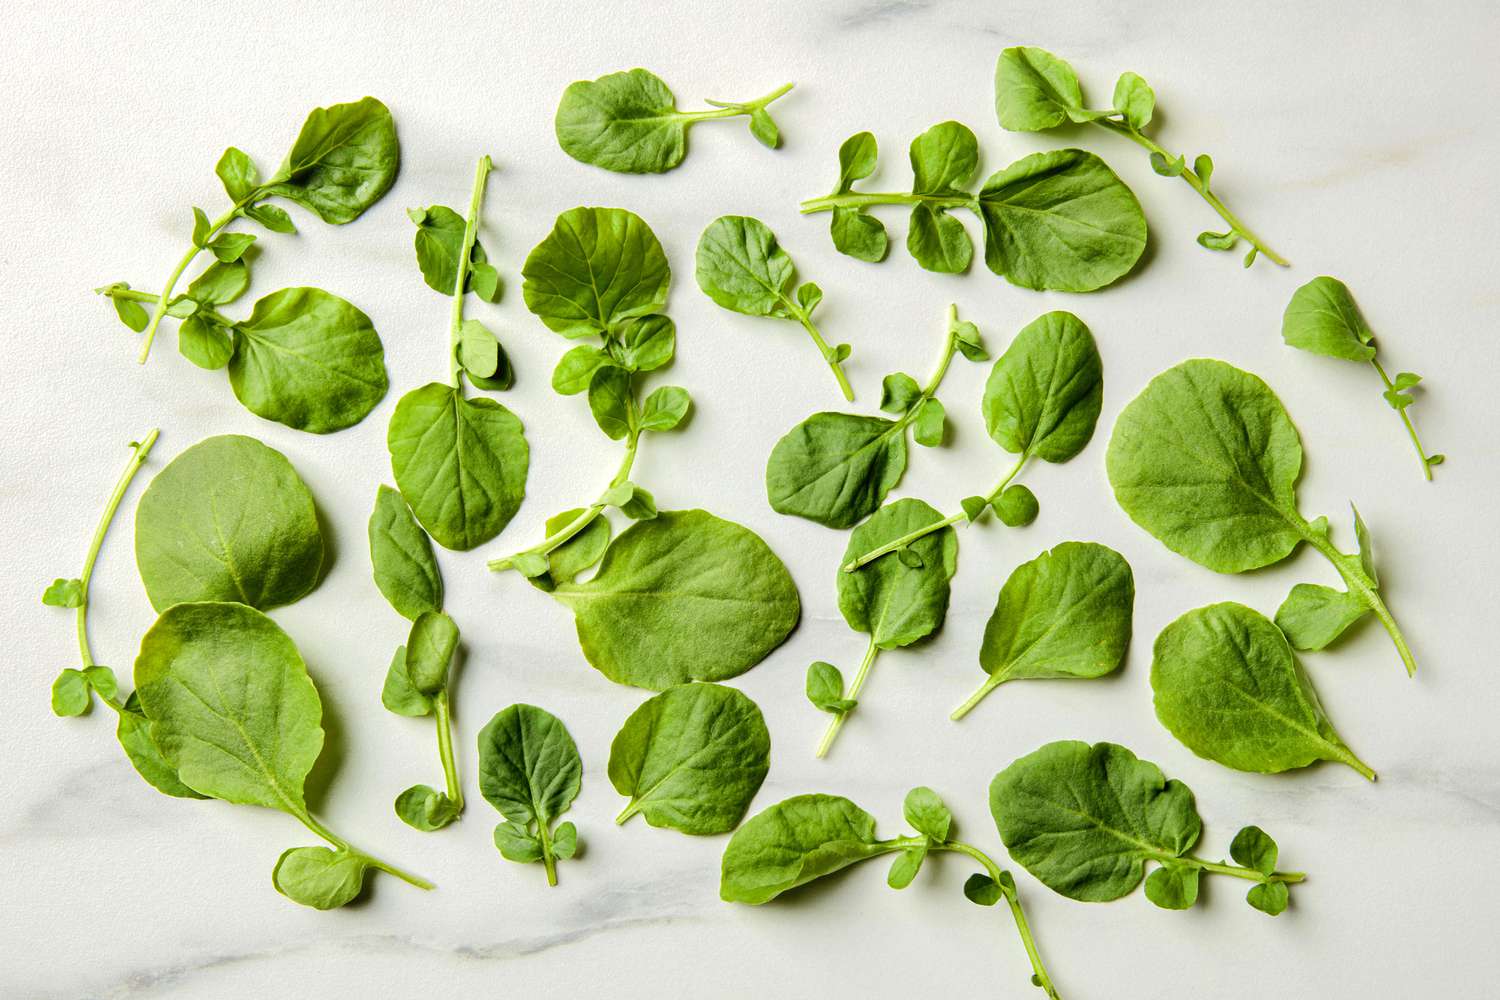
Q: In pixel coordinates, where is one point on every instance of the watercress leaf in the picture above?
(1405, 380)
(982, 890)
(1254, 848)
(1322, 317)
(938, 241)
(424, 808)
(478, 350)
(835, 468)
(273, 217)
(910, 558)
(102, 679)
(1206, 459)
(596, 268)
(133, 731)
(1218, 241)
(927, 814)
(641, 506)
(1043, 396)
(131, 313)
(319, 877)
(857, 158)
(484, 280)
(825, 688)
(61, 593)
(401, 554)
(460, 463)
(1034, 90)
(841, 352)
(1203, 166)
(929, 424)
(610, 396)
(565, 840)
(228, 520)
(691, 758)
(1085, 819)
(399, 694)
(439, 242)
(795, 842)
(809, 294)
(1135, 101)
(665, 408)
(647, 343)
(1173, 887)
(742, 268)
(220, 282)
(1268, 897)
(71, 695)
(237, 171)
(201, 226)
(205, 344)
(764, 128)
(943, 159)
(531, 565)
(230, 247)
(429, 650)
(966, 337)
(529, 769)
(1168, 168)
(888, 599)
(309, 360)
(343, 161)
(683, 596)
(1366, 549)
(905, 867)
(1062, 221)
(1312, 616)
(579, 552)
(1228, 687)
(859, 234)
(230, 704)
(516, 844)
(627, 122)
(973, 507)
(898, 391)
(1016, 507)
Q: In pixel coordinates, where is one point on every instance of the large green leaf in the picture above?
(835, 468)
(743, 268)
(343, 161)
(683, 596)
(529, 769)
(1043, 395)
(943, 161)
(794, 842)
(1034, 89)
(626, 122)
(597, 268)
(1322, 317)
(228, 520)
(309, 360)
(401, 554)
(893, 602)
(691, 758)
(460, 463)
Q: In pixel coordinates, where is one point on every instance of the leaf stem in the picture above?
(444, 712)
(990, 683)
(729, 109)
(863, 199)
(138, 452)
(1348, 567)
(837, 722)
(1006, 885)
(548, 861)
(1411, 431)
(1197, 184)
(829, 354)
(631, 808)
(471, 233)
(311, 822)
(135, 295)
(166, 293)
(1249, 874)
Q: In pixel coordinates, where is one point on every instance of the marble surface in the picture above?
(1359, 141)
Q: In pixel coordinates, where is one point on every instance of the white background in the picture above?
(1359, 140)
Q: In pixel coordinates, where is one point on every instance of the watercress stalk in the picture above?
(471, 233)
(311, 822)
(161, 300)
(1350, 569)
(726, 109)
(1007, 887)
(443, 710)
(1411, 431)
(837, 722)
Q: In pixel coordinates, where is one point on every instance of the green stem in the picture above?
(1196, 183)
(730, 109)
(949, 521)
(311, 822)
(864, 199)
(990, 683)
(444, 712)
(837, 723)
(182, 265)
(630, 810)
(1348, 567)
(1249, 874)
(548, 861)
(1006, 886)
(471, 233)
(829, 355)
(139, 451)
(135, 295)
(1411, 431)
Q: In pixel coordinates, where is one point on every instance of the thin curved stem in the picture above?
(471, 234)
(1038, 971)
(990, 683)
(1411, 430)
(830, 356)
(444, 712)
(182, 265)
(139, 451)
(729, 109)
(1249, 874)
(837, 722)
(864, 199)
(1354, 578)
(311, 822)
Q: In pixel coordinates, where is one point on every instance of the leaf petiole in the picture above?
(1411, 430)
(1008, 889)
(471, 233)
(1349, 568)
(160, 310)
(311, 822)
(830, 355)
(444, 712)
(728, 109)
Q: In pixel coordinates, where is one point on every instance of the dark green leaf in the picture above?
(1016, 507)
(1254, 848)
(597, 268)
(399, 695)
(1043, 395)
(610, 398)
(401, 554)
(1173, 887)
(835, 468)
(794, 842)
(892, 602)
(429, 650)
(205, 344)
(343, 161)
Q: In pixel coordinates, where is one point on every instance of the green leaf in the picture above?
(859, 234)
(272, 217)
(220, 282)
(597, 268)
(1268, 897)
(743, 269)
(1322, 317)
(1034, 90)
(343, 161)
(684, 596)
(61, 593)
(809, 294)
(1043, 396)
(1173, 887)
(578, 553)
(1206, 459)
(1168, 168)
(640, 505)
(665, 408)
(133, 731)
(205, 344)
(1254, 848)
(530, 565)
(764, 128)
(1312, 616)
(857, 158)
(1016, 507)
(825, 689)
(131, 313)
(927, 814)
(237, 171)
(201, 226)
(905, 867)
(898, 391)
(1203, 166)
(102, 679)
(970, 345)
(318, 877)
(529, 770)
(627, 122)
(399, 694)
(71, 694)
(647, 343)
(943, 161)
(1061, 221)
(835, 468)
(575, 369)
(439, 242)
(691, 758)
(309, 360)
(973, 507)
(230, 704)
(429, 650)
(889, 600)
(982, 890)
(1228, 687)
(230, 247)
(229, 519)
(424, 808)
(1135, 100)
(929, 424)
(517, 844)
(610, 397)
(565, 840)
(795, 842)
(460, 463)
(1218, 241)
(1366, 549)
(1085, 819)
(478, 350)
(484, 280)
(401, 554)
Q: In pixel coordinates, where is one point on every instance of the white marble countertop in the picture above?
(1359, 142)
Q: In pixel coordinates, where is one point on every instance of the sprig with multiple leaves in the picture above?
(1086, 820)
(743, 268)
(1036, 91)
(1041, 400)
(304, 357)
(837, 468)
(1058, 220)
(601, 273)
(1206, 459)
(1323, 318)
(628, 122)
(807, 837)
(529, 770)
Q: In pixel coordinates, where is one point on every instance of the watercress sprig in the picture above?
(1059, 220)
(1041, 400)
(530, 771)
(1323, 318)
(1035, 91)
(807, 837)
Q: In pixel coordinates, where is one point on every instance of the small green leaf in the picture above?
(647, 343)
(1168, 168)
(1203, 166)
(973, 507)
(61, 593)
(1173, 887)
(809, 295)
(237, 171)
(1366, 549)
(898, 391)
(1252, 847)
(565, 840)
(478, 350)
(220, 282)
(575, 369)
(517, 844)
(1017, 506)
(424, 808)
(930, 421)
(529, 564)
(982, 890)
(205, 344)
(910, 558)
(131, 313)
(927, 814)
(825, 688)
(399, 695)
(764, 129)
(230, 247)
(272, 217)
(970, 344)
(1268, 897)
(102, 680)
(609, 401)
(484, 281)
(1312, 616)
(1135, 100)
(905, 867)
(1218, 241)
(429, 651)
(70, 694)
(665, 408)
(319, 877)
(201, 227)
(859, 235)
(641, 506)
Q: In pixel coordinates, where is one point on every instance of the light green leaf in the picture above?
(1323, 318)
(429, 650)
(478, 351)
(825, 689)
(61, 593)
(1254, 848)
(237, 171)
(904, 869)
(1043, 396)
(627, 122)
(401, 554)
(399, 694)
(343, 161)
(319, 877)
(424, 808)
(205, 344)
(943, 161)
(1173, 887)
(71, 694)
(133, 730)
(575, 369)
(898, 391)
(1135, 100)
(1034, 90)
(273, 217)
(795, 842)
(665, 408)
(597, 268)
(439, 241)
(1312, 616)
(982, 890)
(892, 602)
(927, 814)
(1016, 507)
(647, 343)
(929, 424)
(610, 398)
(230, 247)
(859, 234)
(220, 282)
(742, 268)
(529, 770)
(1268, 897)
